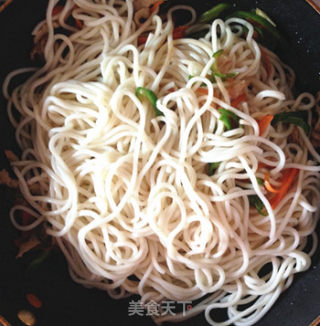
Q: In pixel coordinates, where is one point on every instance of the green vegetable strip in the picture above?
(215, 71)
(260, 181)
(259, 31)
(229, 119)
(214, 12)
(151, 96)
(260, 21)
(226, 121)
(223, 76)
(212, 167)
(256, 202)
(231, 114)
(38, 260)
(297, 118)
(261, 13)
(217, 54)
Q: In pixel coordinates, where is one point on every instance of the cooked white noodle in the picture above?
(127, 193)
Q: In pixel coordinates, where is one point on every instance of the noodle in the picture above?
(126, 193)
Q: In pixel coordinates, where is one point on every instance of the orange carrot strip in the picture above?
(156, 5)
(255, 35)
(79, 23)
(264, 123)
(316, 322)
(237, 101)
(56, 10)
(28, 245)
(268, 185)
(202, 91)
(266, 61)
(5, 5)
(34, 300)
(262, 165)
(237, 88)
(4, 322)
(179, 32)
(288, 179)
(26, 218)
(142, 39)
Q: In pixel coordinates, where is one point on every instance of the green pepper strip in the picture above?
(256, 19)
(151, 96)
(297, 118)
(260, 181)
(226, 121)
(229, 119)
(34, 264)
(212, 167)
(214, 12)
(256, 202)
(217, 54)
(261, 13)
(215, 71)
(223, 76)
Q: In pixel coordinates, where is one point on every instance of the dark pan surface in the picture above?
(67, 303)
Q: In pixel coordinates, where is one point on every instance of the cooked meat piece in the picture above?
(12, 157)
(5, 179)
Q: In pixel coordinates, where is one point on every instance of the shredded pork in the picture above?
(6, 180)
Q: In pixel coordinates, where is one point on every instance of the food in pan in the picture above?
(170, 161)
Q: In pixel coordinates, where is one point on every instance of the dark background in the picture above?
(67, 303)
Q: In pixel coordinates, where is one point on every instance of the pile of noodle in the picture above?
(126, 193)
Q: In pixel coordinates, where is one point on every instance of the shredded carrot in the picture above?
(172, 89)
(266, 61)
(237, 88)
(34, 300)
(264, 123)
(202, 91)
(179, 32)
(268, 185)
(26, 218)
(79, 23)
(5, 5)
(316, 322)
(28, 245)
(56, 10)
(288, 179)
(237, 101)
(18, 242)
(142, 39)
(12, 157)
(262, 165)
(255, 35)
(156, 5)
(4, 322)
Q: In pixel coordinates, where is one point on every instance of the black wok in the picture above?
(67, 303)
